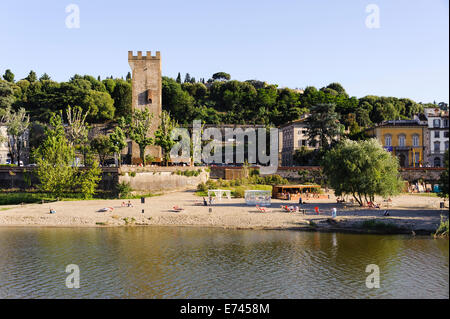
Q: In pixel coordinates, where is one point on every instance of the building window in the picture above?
(401, 140)
(445, 123)
(415, 140)
(437, 162)
(437, 147)
(446, 146)
(436, 134)
(436, 123)
(446, 134)
(387, 140)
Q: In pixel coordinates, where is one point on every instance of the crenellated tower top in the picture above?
(139, 55)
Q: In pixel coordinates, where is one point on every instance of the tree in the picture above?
(336, 87)
(177, 101)
(100, 106)
(77, 130)
(17, 123)
(102, 145)
(323, 123)
(221, 76)
(179, 78)
(362, 169)
(163, 135)
(443, 180)
(138, 129)
(117, 142)
(122, 98)
(6, 95)
(187, 78)
(305, 156)
(87, 180)
(54, 158)
(44, 77)
(128, 77)
(8, 76)
(55, 169)
(32, 77)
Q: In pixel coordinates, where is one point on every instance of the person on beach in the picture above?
(129, 204)
(205, 203)
(300, 201)
(334, 213)
(52, 211)
(386, 213)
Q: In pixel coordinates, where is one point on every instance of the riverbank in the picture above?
(408, 214)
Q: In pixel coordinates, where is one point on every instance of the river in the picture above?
(182, 262)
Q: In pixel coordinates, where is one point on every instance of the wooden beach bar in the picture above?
(293, 192)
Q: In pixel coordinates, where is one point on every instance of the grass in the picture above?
(238, 191)
(15, 198)
(423, 194)
(379, 225)
(442, 231)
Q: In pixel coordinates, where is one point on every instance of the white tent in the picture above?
(258, 197)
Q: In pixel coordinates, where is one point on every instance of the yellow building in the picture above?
(406, 139)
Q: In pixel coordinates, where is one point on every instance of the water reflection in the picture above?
(144, 262)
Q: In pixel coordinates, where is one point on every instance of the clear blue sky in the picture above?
(290, 43)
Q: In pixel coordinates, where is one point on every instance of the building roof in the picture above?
(298, 121)
(415, 122)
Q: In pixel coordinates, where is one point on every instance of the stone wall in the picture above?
(157, 179)
(427, 174)
(412, 175)
(23, 178)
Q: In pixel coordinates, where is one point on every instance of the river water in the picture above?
(179, 262)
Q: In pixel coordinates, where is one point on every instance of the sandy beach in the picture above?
(408, 212)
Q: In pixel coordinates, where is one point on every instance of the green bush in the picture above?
(188, 173)
(123, 189)
(211, 184)
(239, 192)
(202, 187)
(442, 230)
(132, 174)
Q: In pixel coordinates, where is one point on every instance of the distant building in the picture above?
(437, 121)
(4, 150)
(293, 136)
(406, 139)
(5, 154)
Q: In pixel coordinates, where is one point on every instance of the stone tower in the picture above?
(146, 93)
